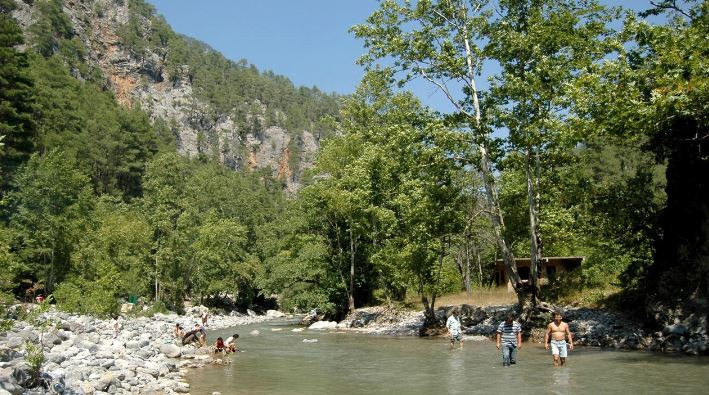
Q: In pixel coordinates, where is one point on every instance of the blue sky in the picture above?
(305, 40)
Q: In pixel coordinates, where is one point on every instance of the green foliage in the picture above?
(49, 202)
(34, 356)
(17, 126)
(235, 88)
(110, 143)
(84, 297)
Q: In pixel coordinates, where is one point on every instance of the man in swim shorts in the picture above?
(558, 331)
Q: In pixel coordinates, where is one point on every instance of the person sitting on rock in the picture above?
(558, 331)
(231, 343)
(196, 335)
(191, 337)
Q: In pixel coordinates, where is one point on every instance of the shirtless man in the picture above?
(559, 332)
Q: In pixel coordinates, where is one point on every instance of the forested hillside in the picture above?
(121, 138)
(215, 108)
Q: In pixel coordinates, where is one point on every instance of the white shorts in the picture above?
(558, 347)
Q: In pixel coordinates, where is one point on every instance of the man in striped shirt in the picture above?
(509, 336)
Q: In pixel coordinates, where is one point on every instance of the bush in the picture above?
(80, 297)
(157, 307)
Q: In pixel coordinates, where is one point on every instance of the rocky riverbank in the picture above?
(591, 327)
(86, 355)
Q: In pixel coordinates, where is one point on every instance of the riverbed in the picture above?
(277, 361)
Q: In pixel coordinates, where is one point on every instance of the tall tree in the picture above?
(654, 93)
(437, 40)
(542, 47)
(16, 96)
(51, 199)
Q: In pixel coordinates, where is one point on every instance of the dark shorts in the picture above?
(457, 337)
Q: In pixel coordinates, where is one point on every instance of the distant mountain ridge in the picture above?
(216, 108)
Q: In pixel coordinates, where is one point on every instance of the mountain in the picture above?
(215, 108)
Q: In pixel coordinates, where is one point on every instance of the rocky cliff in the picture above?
(244, 133)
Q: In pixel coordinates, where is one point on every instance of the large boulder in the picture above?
(274, 314)
(29, 335)
(23, 374)
(170, 350)
(323, 325)
(8, 354)
(15, 342)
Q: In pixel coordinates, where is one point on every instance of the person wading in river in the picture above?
(509, 336)
(453, 325)
(559, 332)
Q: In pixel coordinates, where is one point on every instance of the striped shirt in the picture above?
(509, 332)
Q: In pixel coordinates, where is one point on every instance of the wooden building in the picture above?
(550, 267)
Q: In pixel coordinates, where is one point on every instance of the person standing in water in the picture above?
(453, 325)
(559, 332)
(509, 336)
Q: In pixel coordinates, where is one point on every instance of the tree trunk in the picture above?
(493, 202)
(535, 245)
(157, 297)
(468, 285)
(478, 260)
(353, 249)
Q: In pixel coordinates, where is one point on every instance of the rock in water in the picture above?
(254, 333)
(170, 350)
(310, 340)
(323, 325)
(298, 330)
(274, 314)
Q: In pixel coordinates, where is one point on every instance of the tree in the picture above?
(436, 40)
(542, 47)
(387, 188)
(16, 97)
(164, 186)
(222, 262)
(654, 94)
(50, 200)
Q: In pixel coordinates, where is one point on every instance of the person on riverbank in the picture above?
(205, 315)
(196, 335)
(179, 332)
(116, 326)
(558, 331)
(509, 337)
(219, 346)
(201, 334)
(453, 325)
(231, 343)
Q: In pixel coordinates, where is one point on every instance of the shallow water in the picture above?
(278, 362)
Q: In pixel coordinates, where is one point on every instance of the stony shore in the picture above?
(85, 355)
(591, 327)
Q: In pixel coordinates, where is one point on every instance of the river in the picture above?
(278, 362)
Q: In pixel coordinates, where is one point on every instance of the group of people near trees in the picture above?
(509, 337)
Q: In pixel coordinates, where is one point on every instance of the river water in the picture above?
(278, 362)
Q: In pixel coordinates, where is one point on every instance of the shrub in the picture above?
(80, 297)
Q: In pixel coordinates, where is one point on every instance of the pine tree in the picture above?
(16, 96)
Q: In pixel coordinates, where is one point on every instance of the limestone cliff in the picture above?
(149, 78)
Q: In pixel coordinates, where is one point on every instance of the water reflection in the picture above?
(560, 380)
